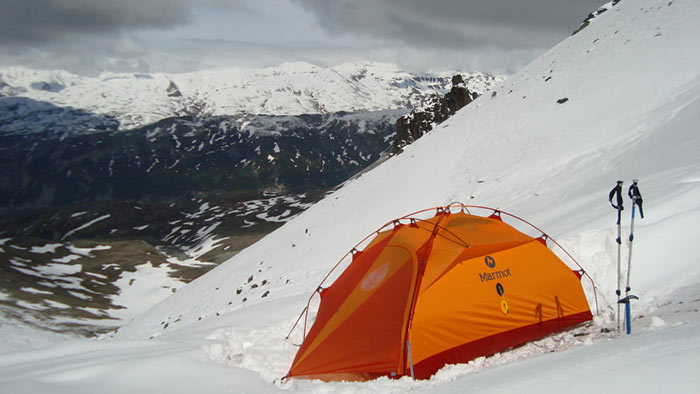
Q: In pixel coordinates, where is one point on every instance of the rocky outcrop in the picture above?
(173, 90)
(593, 15)
(414, 125)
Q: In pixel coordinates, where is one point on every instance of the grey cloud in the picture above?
(38, 22)
(87, 55)
(89, 36)
(455, 23)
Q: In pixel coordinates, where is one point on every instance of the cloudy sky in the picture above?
(89, 36)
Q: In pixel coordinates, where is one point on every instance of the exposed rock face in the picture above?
(173, 90)
(414, 125)
(593, 15)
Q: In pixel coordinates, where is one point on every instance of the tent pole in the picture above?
(410, 359)
(419, 277)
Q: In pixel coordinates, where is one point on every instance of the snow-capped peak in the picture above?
(288, 89)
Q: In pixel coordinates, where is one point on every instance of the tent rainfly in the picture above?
(429, 292)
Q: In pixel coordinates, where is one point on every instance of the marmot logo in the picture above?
(486, 276)
(490, 262)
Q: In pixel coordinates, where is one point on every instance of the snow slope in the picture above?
(631, 81)
(289, 89)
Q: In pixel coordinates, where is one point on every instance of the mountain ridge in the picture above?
(135, 100)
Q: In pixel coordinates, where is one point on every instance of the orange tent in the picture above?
(428, 292)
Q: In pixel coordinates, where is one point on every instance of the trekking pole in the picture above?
(616, 193)
(636, 197)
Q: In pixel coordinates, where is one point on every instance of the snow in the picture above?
(86, 251)
(30, 305)
(288, 89)
(60, 269)
(74, 367)
(20, 261)
(67, 259)
(26, 271)
(16, 337)
(630, 113)
(79, 295)
(84, 226)
(56, 304)
(48, 248)
(141, 289)
(35, 291)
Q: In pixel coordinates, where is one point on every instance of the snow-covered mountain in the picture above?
(134, 100)
(618, 100)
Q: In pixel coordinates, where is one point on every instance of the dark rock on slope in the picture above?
(414, 125)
